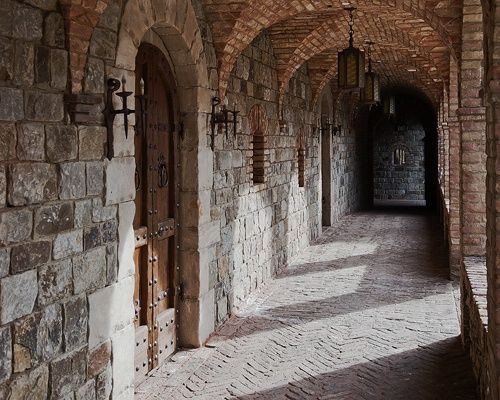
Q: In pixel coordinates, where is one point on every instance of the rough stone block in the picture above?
(72, 183)
(24, 64)
(42, 65)
(87, 391)
(123, 359)
(33, 384)
(104, 384)
(109, 232)
(27, 22)
(29, 256)
(75, 323)
(89, 270)
(94, 77)
(120, 182)
(42, 106)
(32, 183)
(47, 5)
(119, 312)
(6, 57)
(37, 338)
(53, 219)
(62, 143)
(8, 140)
(15, 226)
(67, 373)
(100, 213)
(55, 282)
(3, 186)
(98, 359)
(31, 142)
(67, 244)
(110, 18)
(103, 44)
(11, 104)
(83, 213)
(5, 354)
(49, 337)
(126, 243)
(92, 237)
(95, 178)
(92, 141)
(17, 296)
(4, 262)
(58, 69)
(111, 264)
(54, 30)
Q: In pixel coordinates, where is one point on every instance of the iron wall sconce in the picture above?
(110, 112)
(222, 117)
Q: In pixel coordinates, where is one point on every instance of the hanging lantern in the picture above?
(351, 61)
(371, 92)
(389, 105)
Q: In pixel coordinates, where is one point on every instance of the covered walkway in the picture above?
(367, 312)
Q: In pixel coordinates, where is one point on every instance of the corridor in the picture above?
(366, 312)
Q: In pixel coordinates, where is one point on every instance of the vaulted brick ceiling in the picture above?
(419, 34)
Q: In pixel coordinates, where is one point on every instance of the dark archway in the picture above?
(407, 169)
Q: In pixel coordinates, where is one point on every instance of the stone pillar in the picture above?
(454, 218)
(454, 172)
(446, 161)
(492, 32)
(473, 180)
(471, 116)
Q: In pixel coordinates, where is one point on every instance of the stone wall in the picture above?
(58, 232)
(346, 162)
(475, 319)
(393, 181)
(263, 225)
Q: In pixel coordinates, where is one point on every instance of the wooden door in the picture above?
(154, 223)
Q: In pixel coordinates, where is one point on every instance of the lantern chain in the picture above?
(351, 25)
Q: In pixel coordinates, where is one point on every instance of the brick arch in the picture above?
(258, 120)
(80, 19)
(252, 17)
(171, 26)
(333, 33)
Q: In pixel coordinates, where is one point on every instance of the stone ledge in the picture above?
(475, 268)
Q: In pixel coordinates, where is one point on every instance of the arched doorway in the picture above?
(155, 294)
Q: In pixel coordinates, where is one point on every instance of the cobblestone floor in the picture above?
(367, 312)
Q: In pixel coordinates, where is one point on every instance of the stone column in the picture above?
(492, 32)
(472, 116)
(454, 172)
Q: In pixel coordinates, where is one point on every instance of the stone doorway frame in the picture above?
(172, 27)
(326, 198)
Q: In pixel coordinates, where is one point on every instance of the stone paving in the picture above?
(367, 312)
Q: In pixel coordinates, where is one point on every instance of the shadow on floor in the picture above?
(439, 371)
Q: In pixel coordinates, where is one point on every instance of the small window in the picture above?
(399, 157)
(260, 153)
(259, 157)
(301, 157)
